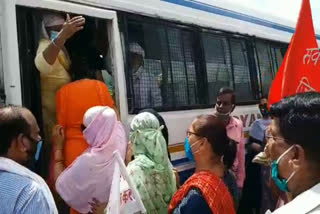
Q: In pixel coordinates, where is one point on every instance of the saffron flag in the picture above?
(300, 69)
(124, 197)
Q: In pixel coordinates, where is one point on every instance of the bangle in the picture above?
(59, 161)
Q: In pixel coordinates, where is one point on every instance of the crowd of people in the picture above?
(290, 146)
(277, 170)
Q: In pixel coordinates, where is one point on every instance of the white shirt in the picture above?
(147, 93)
(307, 202)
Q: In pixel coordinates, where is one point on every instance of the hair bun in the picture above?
(230, 153)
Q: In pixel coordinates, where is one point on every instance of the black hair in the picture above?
(162, 123)
(12, 123)
(299, 122)
(85, 60)
(226, 90)
(215, 131)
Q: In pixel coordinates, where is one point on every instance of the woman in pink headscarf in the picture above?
(89, 177)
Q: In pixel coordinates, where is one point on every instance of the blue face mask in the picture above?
(39, 146)
(187, 149)
(53, 35)
(282, 184)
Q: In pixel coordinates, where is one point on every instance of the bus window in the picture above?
(265, 65)
(218, 64)
(277, 58)
(269, 59)
(241, 72)
(167, 77)
(183, 67)
(183, 71)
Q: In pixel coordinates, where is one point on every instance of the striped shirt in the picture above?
(21, 195)
(147, 93)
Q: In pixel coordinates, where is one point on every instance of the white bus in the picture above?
(192, 47)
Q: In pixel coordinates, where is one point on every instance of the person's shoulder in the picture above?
(257, 122)
(15, 179)
(194, 201)
(134, 167)
(18, 185)
(80, 83)
(236, 121)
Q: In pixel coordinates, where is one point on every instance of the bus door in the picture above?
(100, 35)
(2, 92)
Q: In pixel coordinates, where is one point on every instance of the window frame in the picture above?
(2, 82)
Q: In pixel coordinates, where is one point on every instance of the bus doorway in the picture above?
(88, 51)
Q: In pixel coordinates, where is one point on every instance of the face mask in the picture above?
(264, 110)
(188, 149)
(39, 147)
(35, 149)
(282, 184)
(53, 35)
(223, 116)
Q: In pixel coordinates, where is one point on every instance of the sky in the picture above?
(288, 9)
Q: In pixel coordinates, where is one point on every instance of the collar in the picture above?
(303, 203)
(232, 123)
(137, 74)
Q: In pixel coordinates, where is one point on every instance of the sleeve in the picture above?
(32, 200)
(241, 174)
(192, 203)
(42, 65)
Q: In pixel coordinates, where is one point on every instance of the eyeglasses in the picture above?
(192, 133)
(269, 137)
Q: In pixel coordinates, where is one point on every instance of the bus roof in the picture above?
(207, 13)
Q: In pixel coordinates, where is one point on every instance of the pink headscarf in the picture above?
(90, 175)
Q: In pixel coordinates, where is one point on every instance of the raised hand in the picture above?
(71, 26)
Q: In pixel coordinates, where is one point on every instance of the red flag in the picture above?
(300, 69)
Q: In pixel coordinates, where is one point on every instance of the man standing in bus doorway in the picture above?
(226, 103)
(147, 93)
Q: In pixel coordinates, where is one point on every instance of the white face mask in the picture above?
(223, 116)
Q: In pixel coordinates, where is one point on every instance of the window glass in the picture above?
(184, 67)
(241, 72)
(218, 64)
(269, 58)
(167, 76)
(265, 65)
